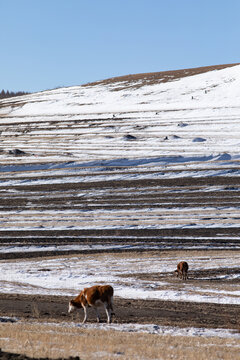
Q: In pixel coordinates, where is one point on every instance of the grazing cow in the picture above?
(95, 296)
(182, 270)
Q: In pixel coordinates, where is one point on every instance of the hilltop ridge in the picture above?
(162, 76)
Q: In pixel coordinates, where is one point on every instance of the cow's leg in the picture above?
(97, 314)
(108, 312)
(85, 314)
(111, 305)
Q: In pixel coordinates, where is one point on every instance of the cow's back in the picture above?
(98, 292)
(182, 266)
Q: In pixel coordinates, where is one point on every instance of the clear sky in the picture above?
(50, 43)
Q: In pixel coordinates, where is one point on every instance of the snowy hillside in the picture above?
(150, 127)
(186, 116)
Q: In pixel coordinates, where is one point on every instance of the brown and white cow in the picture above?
(182, 270)
(95, 296)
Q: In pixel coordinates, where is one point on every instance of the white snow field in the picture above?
(69, 275)
(161, 330)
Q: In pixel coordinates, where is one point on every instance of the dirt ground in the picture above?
(167, 313)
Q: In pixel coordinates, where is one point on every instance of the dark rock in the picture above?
(129, 137)
(174, 137)
(199, 139)
(11, 356)
(5, 320)
(16, 152)
(182, 124)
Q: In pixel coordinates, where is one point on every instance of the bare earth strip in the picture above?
(167, 313)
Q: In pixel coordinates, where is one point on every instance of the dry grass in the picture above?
(41, 340)
(138, 80)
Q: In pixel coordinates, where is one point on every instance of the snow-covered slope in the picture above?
(194, 115)
(221, 87)
(172, 125)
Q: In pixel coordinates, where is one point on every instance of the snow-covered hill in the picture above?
(188, 116)
(183, 124)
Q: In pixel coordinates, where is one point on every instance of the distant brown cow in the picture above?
(95, 296)
(182, 270)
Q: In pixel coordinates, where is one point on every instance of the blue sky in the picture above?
(50, 43)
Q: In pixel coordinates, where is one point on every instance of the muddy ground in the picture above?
(167, 313)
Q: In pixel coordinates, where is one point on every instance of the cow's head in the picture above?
(73, 305)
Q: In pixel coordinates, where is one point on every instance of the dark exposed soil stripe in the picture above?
(168, 313)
